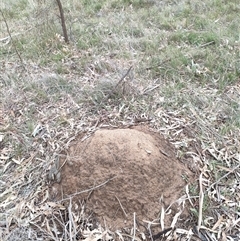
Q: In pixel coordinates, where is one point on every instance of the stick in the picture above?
(151, 89)
(88, 190)
(224, 176)
(121, 206)
(119, 82)
(63, 21)
(158, 235)
(10, 35)
(201, 197)
(134, 226)
(206, 44)
(150, 231)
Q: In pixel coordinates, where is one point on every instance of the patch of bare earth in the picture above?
(118, 172)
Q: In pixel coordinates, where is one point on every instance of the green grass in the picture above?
(189, 31)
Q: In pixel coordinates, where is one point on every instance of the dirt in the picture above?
(122, 172)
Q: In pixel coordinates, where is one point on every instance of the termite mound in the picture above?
(119, 172)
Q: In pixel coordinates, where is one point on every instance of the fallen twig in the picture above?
(121, 206)
(119, 82)
(201, 197)
(134, 226)
(88, 190)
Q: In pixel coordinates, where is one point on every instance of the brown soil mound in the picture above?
(136, 168)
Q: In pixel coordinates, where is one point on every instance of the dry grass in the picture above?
(185, 77)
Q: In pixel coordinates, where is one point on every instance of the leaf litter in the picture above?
(42, 113)
(24, 188)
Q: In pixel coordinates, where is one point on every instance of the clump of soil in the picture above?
(136, 167)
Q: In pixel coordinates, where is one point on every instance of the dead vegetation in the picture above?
(184, 82)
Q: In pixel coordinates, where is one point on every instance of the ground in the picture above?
(171, 67)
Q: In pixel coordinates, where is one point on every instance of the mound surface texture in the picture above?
(135, 166)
